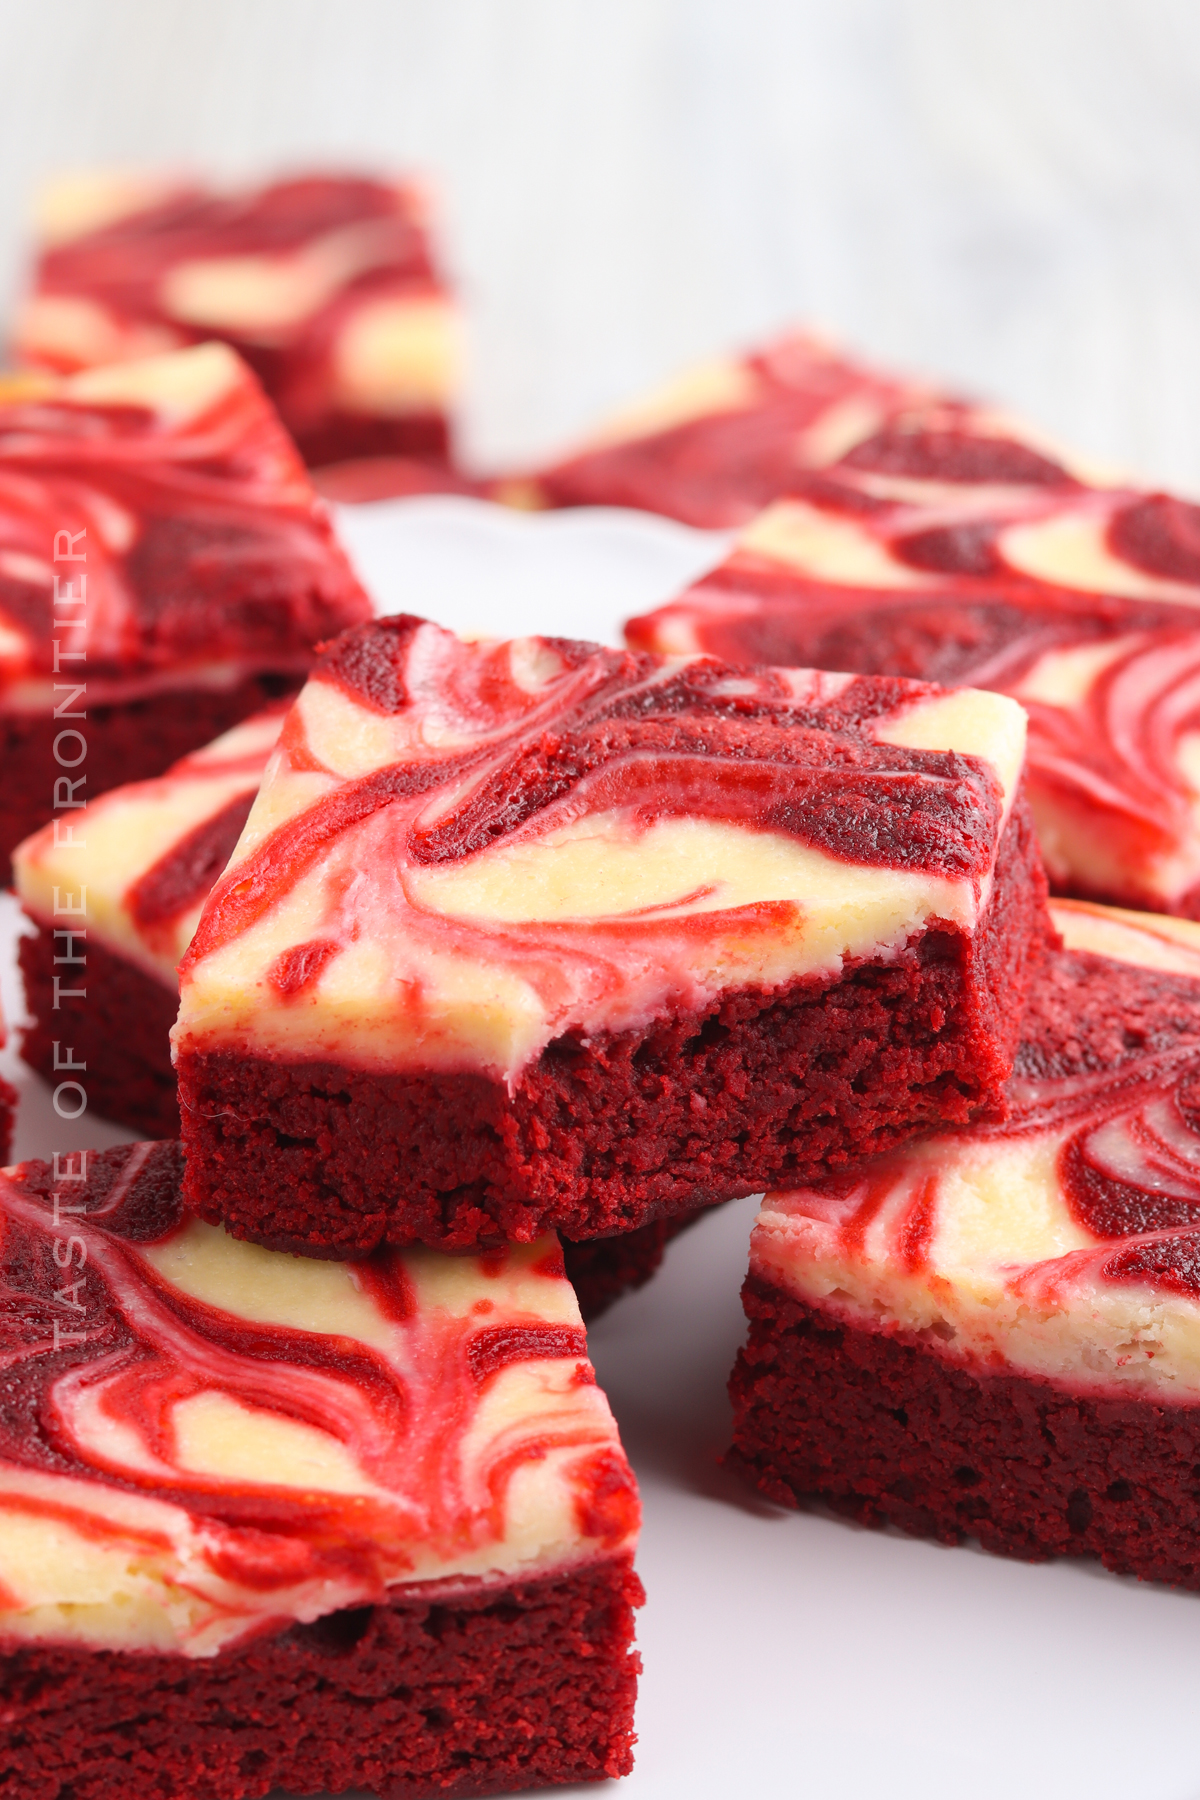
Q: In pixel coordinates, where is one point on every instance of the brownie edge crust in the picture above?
(601, 1137)
(889, 1432)
(483, 1691)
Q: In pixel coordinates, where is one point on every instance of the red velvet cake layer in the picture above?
(120, 1027)
(121, 1030)
(886, 1431)
(607, 1134)
(475, 1692)
(131, 741)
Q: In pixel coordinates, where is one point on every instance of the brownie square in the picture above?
(995, 1333)
(165, 569)
(725, 438)
(539, 933)
(272, 1522)
(325, 283)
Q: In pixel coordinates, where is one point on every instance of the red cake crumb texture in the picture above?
(994, 1334)
(534, 1044)
(326, 285)
(729, 438)
(166, 570)
(470, 1693)
(938, 554)
(189, 1601)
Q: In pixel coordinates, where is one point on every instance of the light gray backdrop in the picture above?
(1001, 191)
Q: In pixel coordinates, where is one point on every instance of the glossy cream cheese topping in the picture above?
(101, 867)
(973, 1242)
(547, 837)
(228, 1439)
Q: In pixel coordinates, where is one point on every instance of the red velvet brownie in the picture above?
(113, 918)
(115, 914)
(165, 569)
(996, 1332)
(948, 556)
(325, 284)
(537, 933)
(271, 1522)
(726, 438)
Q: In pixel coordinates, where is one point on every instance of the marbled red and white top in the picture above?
(325, 283)
(143, 866)
(953, 557)
(157, 530)
(1065, 1242)
(724, 439)
(463, 850)
(203, 1441)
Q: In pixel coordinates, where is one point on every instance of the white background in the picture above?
(1001, 191)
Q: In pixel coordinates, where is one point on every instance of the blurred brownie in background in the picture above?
(945, 549)
(326, 283)
(165, 570)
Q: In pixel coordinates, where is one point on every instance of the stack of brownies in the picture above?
(454, 977)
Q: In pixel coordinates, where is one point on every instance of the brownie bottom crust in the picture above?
(119, 1026)
(887, 1431)
(481, 1693)
(132, 741)
(604, 1135)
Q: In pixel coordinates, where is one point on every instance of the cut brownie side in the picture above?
(107, 995)
(596, 939)
(271, 1522)
(168, 569)
(467, 1692)
(996, 1333)
(110, 1018)
(121, 1030)
(881, 1430)
(325, 284)
(602, 1269)
(940, 556)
